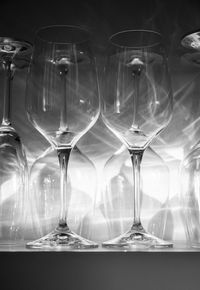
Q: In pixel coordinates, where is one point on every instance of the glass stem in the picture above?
(63, 74)
(9, 72)
(136, 158)
(137, 67)
(63, 157)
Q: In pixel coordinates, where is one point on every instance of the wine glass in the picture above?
(136, 107)
(62, 104)
(189, 168)
(14, 54)
(44, 192)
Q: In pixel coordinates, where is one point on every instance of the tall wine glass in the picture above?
(136, 107)
(189, 168)
(62, 104)
(14, 54)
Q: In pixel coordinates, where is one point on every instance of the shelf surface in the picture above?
(100, 249)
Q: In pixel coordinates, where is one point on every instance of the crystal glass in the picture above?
(189, 168)
(45, 198)
(14, 54)
(136, 107)
(189, 195)
(62, 104)
(118, 197)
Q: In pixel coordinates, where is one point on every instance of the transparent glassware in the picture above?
(190, 166)
(118, 196)
(14, 54)
(190, 195)
(136, 106)
(62, 104)
(44, 197)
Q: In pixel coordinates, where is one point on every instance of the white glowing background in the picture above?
(96, 209)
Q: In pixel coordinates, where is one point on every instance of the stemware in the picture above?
(189, 168)
(189, 196)
(155, 213)
(136, 107)
(62, 104)
(44, 192)
(14, 54)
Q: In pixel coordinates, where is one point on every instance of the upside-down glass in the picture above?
(136, 107)
(14, 55)
(62, 104)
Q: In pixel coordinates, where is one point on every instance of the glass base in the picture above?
(60, 240)
(137, 238)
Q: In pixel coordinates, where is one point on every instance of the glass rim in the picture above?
(76, 27)
(148, 31)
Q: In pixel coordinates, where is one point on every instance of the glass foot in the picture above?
(137, 238)
(60, 240)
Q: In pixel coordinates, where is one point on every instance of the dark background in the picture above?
(173, 19)
(117, 271)
(101, 271)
